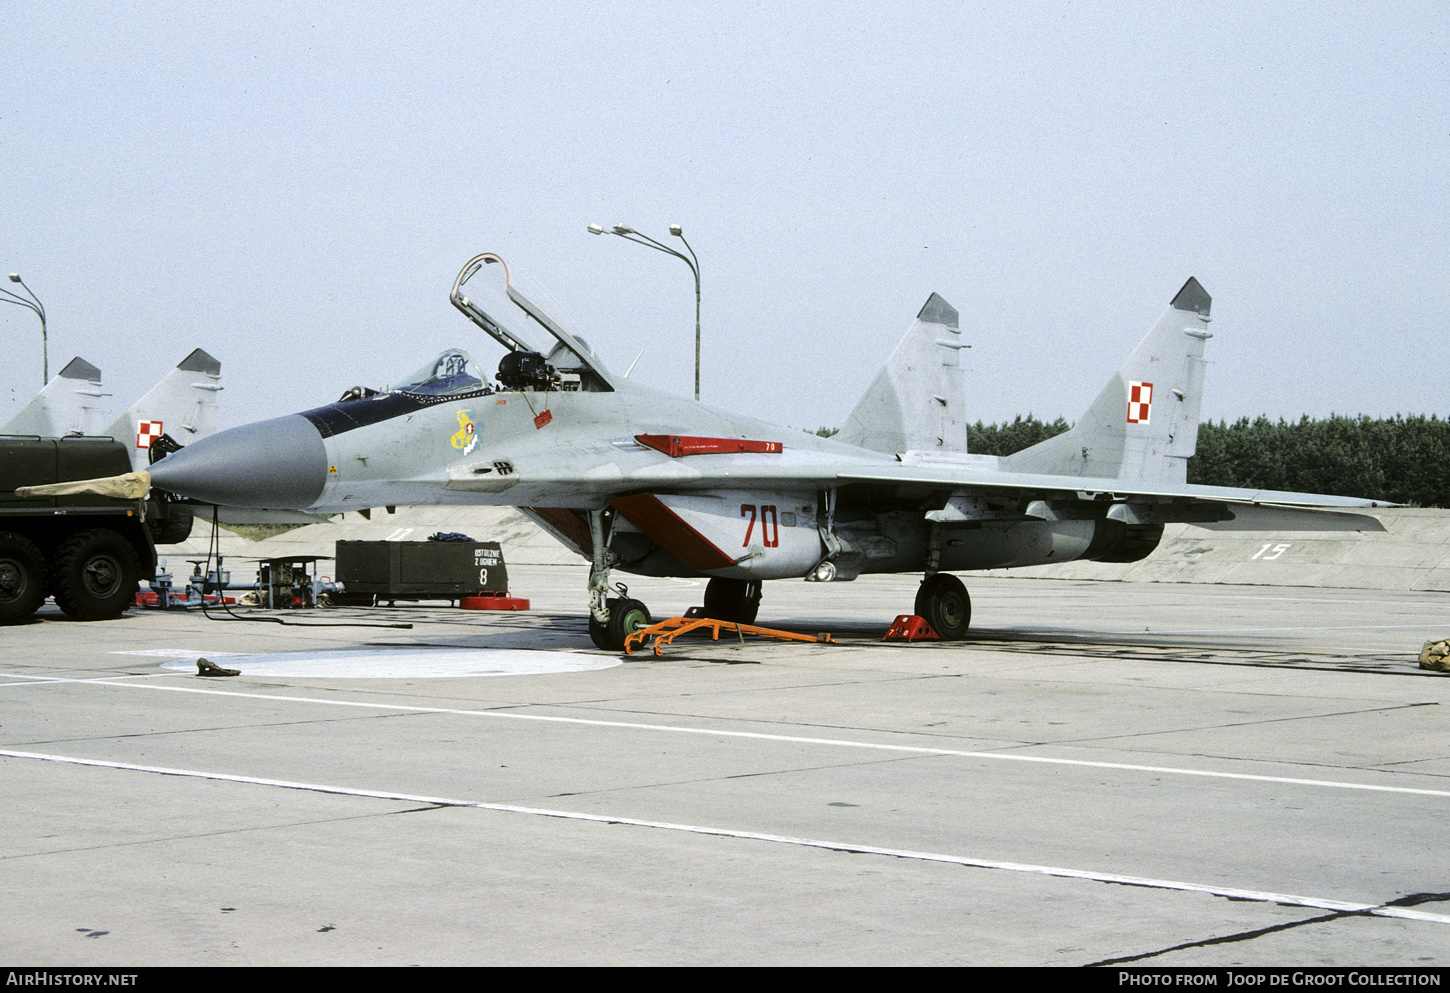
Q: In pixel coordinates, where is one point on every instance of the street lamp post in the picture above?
(34, 304)
(630, 234)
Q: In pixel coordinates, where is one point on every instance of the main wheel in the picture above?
(736, 600)
(95, 575)
(625, 618)
(943, 601)
(22, 578)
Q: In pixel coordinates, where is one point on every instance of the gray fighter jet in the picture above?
(637, 480)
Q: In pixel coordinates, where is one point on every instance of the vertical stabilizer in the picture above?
(917, 401)
(1144, 424)
(182, 405)
(66, 406)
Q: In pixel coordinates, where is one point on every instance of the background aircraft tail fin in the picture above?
(1144, 424)
(917, 401)
(66, 406)
(182, 405)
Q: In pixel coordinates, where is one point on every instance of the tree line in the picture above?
(1403, 459)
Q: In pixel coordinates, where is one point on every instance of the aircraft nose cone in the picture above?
(278, 464)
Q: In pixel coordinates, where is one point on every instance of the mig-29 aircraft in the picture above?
(638, 480)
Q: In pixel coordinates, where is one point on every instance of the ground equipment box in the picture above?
(419, 570)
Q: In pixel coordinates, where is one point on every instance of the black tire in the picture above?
(95, 575)
(22, 578)
(943, 601)
(736, 600)
(625, 618)
(353, 599)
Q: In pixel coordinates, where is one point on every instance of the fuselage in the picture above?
(557, 454)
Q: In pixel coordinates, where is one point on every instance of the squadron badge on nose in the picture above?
(465, 438)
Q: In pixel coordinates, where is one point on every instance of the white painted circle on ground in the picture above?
(406, 663)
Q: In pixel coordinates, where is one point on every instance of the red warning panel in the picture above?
(677, 446)
(1140, 402)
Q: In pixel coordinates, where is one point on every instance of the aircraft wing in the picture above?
(962, 493)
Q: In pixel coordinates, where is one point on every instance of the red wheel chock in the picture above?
(910, 627)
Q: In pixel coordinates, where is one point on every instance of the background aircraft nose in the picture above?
(278, 464)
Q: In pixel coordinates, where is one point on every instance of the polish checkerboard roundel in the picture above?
(146, 433)
(1140, 402)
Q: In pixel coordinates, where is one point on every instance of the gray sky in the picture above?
(294, 186)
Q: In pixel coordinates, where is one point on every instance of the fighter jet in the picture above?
(65, 407)
(640, 481)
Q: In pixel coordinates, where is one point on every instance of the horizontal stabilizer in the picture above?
(1261, 517)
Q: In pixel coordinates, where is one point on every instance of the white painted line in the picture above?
(1259, 896)
(1427, 625)
(172, 653)
(786, 739)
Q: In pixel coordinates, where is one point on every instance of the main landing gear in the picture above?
(943, 601)
(736, 600)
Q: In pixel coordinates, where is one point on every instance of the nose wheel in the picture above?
(626, 616)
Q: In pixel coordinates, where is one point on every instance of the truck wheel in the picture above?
(95, 575)
(22, 578)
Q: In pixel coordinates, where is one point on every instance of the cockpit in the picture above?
(451, 374)
(569, 365)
